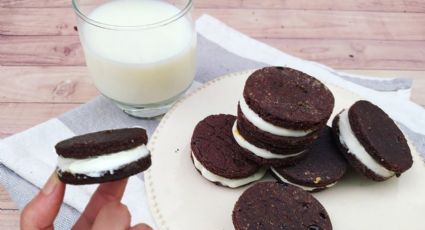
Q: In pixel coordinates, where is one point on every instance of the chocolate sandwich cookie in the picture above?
(371, 141)
(281, 112)
(103, 156)
(288, 99)
(322, 167)
(218, 157)
(279, 206)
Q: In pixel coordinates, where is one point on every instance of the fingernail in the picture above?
(51, 184)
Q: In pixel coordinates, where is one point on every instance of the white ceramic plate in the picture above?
(181, 199)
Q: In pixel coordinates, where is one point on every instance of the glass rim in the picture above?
(163, 22)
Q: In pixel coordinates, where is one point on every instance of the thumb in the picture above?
(41, 212)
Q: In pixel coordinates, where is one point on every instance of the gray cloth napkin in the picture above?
(100, 114)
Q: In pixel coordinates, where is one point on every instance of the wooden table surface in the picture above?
(42, 70)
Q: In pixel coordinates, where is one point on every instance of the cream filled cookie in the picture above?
(103, 156)
(371, 141)
(218, 157)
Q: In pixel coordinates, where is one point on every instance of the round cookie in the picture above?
(101, 143)
(218, 157)
(371, 141)
(322, 167)
(278, 206)
(288, 98)
(380, 136)
(102, 156)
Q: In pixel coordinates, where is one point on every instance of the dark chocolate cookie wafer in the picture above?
(322, 166)
(218, 157)
(279, 206)
(100, 143)
(380, 136)
(371, 141)
(103, 156)
(288, 98)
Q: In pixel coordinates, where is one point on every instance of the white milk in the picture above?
(139, 66)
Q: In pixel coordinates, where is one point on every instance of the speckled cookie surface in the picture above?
(380, 136)
(278, 206)
(214, 146)
(323, 164)
(101, 143)
(288, 98)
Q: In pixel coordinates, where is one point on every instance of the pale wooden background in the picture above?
(42, 71)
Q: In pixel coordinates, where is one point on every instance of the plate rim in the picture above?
(150, 191)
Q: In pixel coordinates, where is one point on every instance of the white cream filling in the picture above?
(263, 153)
(305, 188)
(232, 183)
(256, 120)
(349, 141)
(99, 165)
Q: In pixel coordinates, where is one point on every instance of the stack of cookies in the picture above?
(281, 113)
(281, 125)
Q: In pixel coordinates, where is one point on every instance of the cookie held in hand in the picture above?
(103, 156)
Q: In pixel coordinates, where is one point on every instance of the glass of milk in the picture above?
(141, 54)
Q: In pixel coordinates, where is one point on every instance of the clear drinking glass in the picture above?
(141, 54)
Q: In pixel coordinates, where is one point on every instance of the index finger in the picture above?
(105, 193)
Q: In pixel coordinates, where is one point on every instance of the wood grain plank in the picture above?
(56, 85)
(40, 4)
(334, 5)
(343, 54)
(37, 21)
(5, 202)
(40, 50)
(338, 5)
(274, 23)
(9, 219)
(9, 214)
(356, 54)
(17, 117)
(46, 84)
(61, 84)
(258, 23)
(67, 3)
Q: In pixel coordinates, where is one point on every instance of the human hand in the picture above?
(104, 211)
